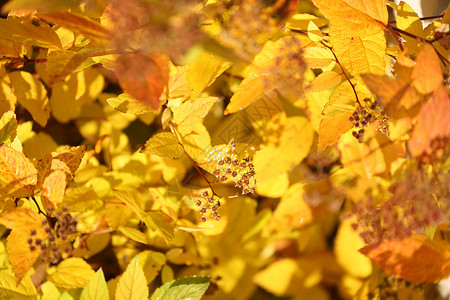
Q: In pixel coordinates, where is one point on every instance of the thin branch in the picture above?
(343, 72)
(39, 208)
(193, 162)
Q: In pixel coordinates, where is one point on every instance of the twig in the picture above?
(343, 72)
(39, 208)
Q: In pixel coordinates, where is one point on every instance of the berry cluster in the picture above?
(391, 287)
(364, 115)
(240, 171)
(209, 206)
(59, 236)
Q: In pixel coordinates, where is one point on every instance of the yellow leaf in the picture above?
(295, 140)
(408, 20)
(7, 97)
(32, 94)
(53, 189)
(178, 86)
(128, 105)
(278, 67)
(132, 283)
(336, 114)
(39, 145)
(301, 21)
(275, 187)
(96, 289)
(204, 70)
(367, 17)
(427, 74)
(10, 289)
(288, 276)
(164, 144)
(78, 89)
(292, 212)
(18, 175)
(347, 244)
(24, 224)
(314, 32)
(358, 52)
(316, 57)
(324, 81)
(152, 263)
(72, 273)
(8, 127)
(25, 30)
(191, 113)
(66, 159)
(10, 48)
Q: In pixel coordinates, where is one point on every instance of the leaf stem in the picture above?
(343, 72)
(173, 126)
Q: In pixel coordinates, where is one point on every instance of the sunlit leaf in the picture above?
(132, 283)
(96, 289)
(192, 287)
(128, 105)
(316, 57)
(8, 98)
(73, 272)
(359, 53)
(324, 81)
(314, 32)
(8, 127)
(164, 144)
(301, 21)
(427, 75)
(354, 15)
(10, 289)
(189, 114)
(32, 94)
(18, 175)
(25, 224)
(417, 259)
(53, 188)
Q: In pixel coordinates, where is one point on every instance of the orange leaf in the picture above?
(78, 24)
(53, 189)
(427, 74)
(355, 15)
(25, 224)
(17, 174)
(143, 76)
(417, 259)
(432, 124)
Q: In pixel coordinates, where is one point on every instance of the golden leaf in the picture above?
(17, 174)
(53, 188)
(427, 74)
(189, 114)
(164, 144)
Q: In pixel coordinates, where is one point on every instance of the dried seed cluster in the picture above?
(240, 171)
(391, 288)
(364, 115)
(209, 206)
(60, 234)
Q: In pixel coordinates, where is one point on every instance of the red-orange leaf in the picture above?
(143, 76)
(432, 125)
(417, 259)
(18, 176)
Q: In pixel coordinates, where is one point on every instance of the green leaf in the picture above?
(32, 94)
(132, 284)
(96, 288)
(71, 273)
(128, 105)
(191, 288)
(164, 144)
(25, 30)
(8, 127)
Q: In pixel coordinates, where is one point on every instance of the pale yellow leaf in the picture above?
(32, 94)
(10, 289)
(408, 20)
(347, 244)
(316, 57)
(324, 81)
(96, 289)
(191, 113)
(72, 273)
(53, 189)
(164, 144)
(128, 105)
(301, 21)
(204, 70)
(132, 284)
(314, 32)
